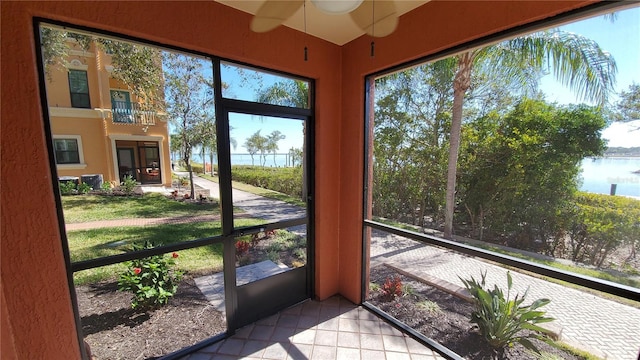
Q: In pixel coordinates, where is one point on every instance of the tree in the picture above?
(205, 138)
(577, 62)
(175, 144)
(295, 156)
(138, 67)
(294, 93)
(628, 107)
(254, 144)
(272, 143)
(189, 101)
(54, 48)
(519, 170)
(411, 128)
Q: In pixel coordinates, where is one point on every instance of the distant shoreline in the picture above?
(616, 156)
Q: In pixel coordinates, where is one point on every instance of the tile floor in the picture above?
(327, 330)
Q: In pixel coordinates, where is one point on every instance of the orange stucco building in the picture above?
(99, 128)
(37, 317)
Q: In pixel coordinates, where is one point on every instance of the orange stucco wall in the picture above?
(37, 318)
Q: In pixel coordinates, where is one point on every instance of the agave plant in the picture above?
(501, 320)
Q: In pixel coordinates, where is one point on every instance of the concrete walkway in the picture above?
(603, 327)
(257, 206)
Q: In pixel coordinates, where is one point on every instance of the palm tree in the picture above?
(576, 61)
(253, 144)
(286, 93)
(272, 143)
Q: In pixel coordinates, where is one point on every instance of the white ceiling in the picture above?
(338, 29)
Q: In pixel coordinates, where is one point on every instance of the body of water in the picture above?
(599, 174)
(281, 160)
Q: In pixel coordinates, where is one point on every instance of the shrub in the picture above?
(84, 188)
(106, 187)
(67, 187)
(151, 280)
(501, 320)
(273, 255)
(285, 180)
(197, 169)
(392, 288)
(603, 224)
(128, 185)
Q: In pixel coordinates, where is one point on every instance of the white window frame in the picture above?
(78, 139)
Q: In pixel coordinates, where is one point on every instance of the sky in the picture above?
(245, 86)
(621, 38)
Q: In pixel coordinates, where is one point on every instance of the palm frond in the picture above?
(575, 61)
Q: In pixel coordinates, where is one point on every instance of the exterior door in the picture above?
(150, 164)
(272, 266)
(126, 163)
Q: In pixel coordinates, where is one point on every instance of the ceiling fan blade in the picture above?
(272, 13)
(379, 20)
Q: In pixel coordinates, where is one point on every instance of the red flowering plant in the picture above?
(152, 279)
(391, 288)
(242, 247)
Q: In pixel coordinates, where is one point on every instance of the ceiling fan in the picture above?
(376, 18)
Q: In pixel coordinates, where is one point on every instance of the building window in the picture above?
(79, 89)
(67, 151)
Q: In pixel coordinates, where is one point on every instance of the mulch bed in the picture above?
(114, 330)
(449, 324)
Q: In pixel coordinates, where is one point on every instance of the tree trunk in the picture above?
(211, 160)
(193, 190)
(461, 84)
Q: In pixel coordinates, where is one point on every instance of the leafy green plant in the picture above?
(84, 188)
(67, 187)
(128, 185)
(429, 306)
(300, 253)
(106, 187)
(392, 288)
(273, 256)
(407, 290)
(152, 280)
(501, 319)
(374, 287)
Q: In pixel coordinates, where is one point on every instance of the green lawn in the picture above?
(95, 243)
(259, 191)
(83, 208)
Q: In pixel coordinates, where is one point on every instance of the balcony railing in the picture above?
(124, 112)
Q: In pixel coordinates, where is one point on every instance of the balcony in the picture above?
(125, 112)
